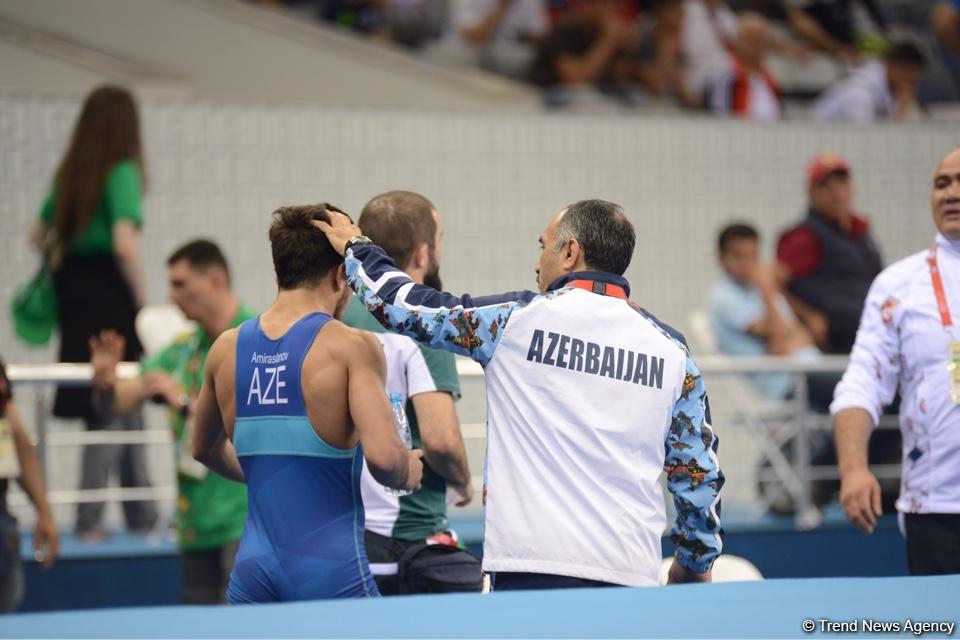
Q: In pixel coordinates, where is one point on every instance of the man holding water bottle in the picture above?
(409, 542)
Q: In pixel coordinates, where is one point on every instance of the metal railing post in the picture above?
(40, 419)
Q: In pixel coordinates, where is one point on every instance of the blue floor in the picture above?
(769, 609)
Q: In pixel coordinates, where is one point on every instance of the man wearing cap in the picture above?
(828, 261)
(909, 339)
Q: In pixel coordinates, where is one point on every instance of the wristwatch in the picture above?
(358, 239)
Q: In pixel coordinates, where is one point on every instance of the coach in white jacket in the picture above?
(909, 337)
(589, 400)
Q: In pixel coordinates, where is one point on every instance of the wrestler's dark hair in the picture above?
(399, 222)
(201, 255)
(604, 232)
(302, 255)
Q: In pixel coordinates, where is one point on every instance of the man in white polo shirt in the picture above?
(908, 337)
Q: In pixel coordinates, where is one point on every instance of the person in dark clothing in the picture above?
(827, 264)
(829, 260)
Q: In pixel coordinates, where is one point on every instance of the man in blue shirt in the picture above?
(749, 315)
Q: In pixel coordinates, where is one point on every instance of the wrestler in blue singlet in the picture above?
(303, 538)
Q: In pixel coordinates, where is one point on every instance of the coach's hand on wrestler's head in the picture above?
(414, 470)
(339, 230)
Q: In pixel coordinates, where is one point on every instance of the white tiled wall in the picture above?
(219, 171)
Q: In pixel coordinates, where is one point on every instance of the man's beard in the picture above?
(432, 277)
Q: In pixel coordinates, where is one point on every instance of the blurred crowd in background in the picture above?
(831, 60)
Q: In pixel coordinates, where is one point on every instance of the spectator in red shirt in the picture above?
(829, 260)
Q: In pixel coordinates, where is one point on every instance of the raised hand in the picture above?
(106, 352)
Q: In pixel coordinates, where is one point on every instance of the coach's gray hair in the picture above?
(604, 232)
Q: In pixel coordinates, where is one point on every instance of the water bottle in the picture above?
(403, 430)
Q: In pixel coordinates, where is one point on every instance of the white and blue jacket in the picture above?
(589, 399)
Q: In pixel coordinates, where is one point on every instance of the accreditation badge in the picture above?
(9, 462)
(954, 368)
(187, 465)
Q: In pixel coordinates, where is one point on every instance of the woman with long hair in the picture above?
(91, 222)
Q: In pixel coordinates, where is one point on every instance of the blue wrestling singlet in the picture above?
(303, 538)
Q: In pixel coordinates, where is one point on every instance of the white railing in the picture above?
(792, 422)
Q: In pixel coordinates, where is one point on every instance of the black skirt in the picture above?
(92, 295)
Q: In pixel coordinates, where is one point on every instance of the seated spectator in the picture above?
(748, 314)
(945, 20)
(584, 49)
(879, 90)
(829, 24)
(503, 33)
(829, 260)
(747, 89)
(659, 61)
(709, 29)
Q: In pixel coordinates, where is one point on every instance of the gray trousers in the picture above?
(100, 461)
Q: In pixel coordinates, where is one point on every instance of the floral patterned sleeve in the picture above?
(464, 325)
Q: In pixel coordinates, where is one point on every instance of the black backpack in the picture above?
(438, 568)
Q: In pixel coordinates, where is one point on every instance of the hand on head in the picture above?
(338, 231)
